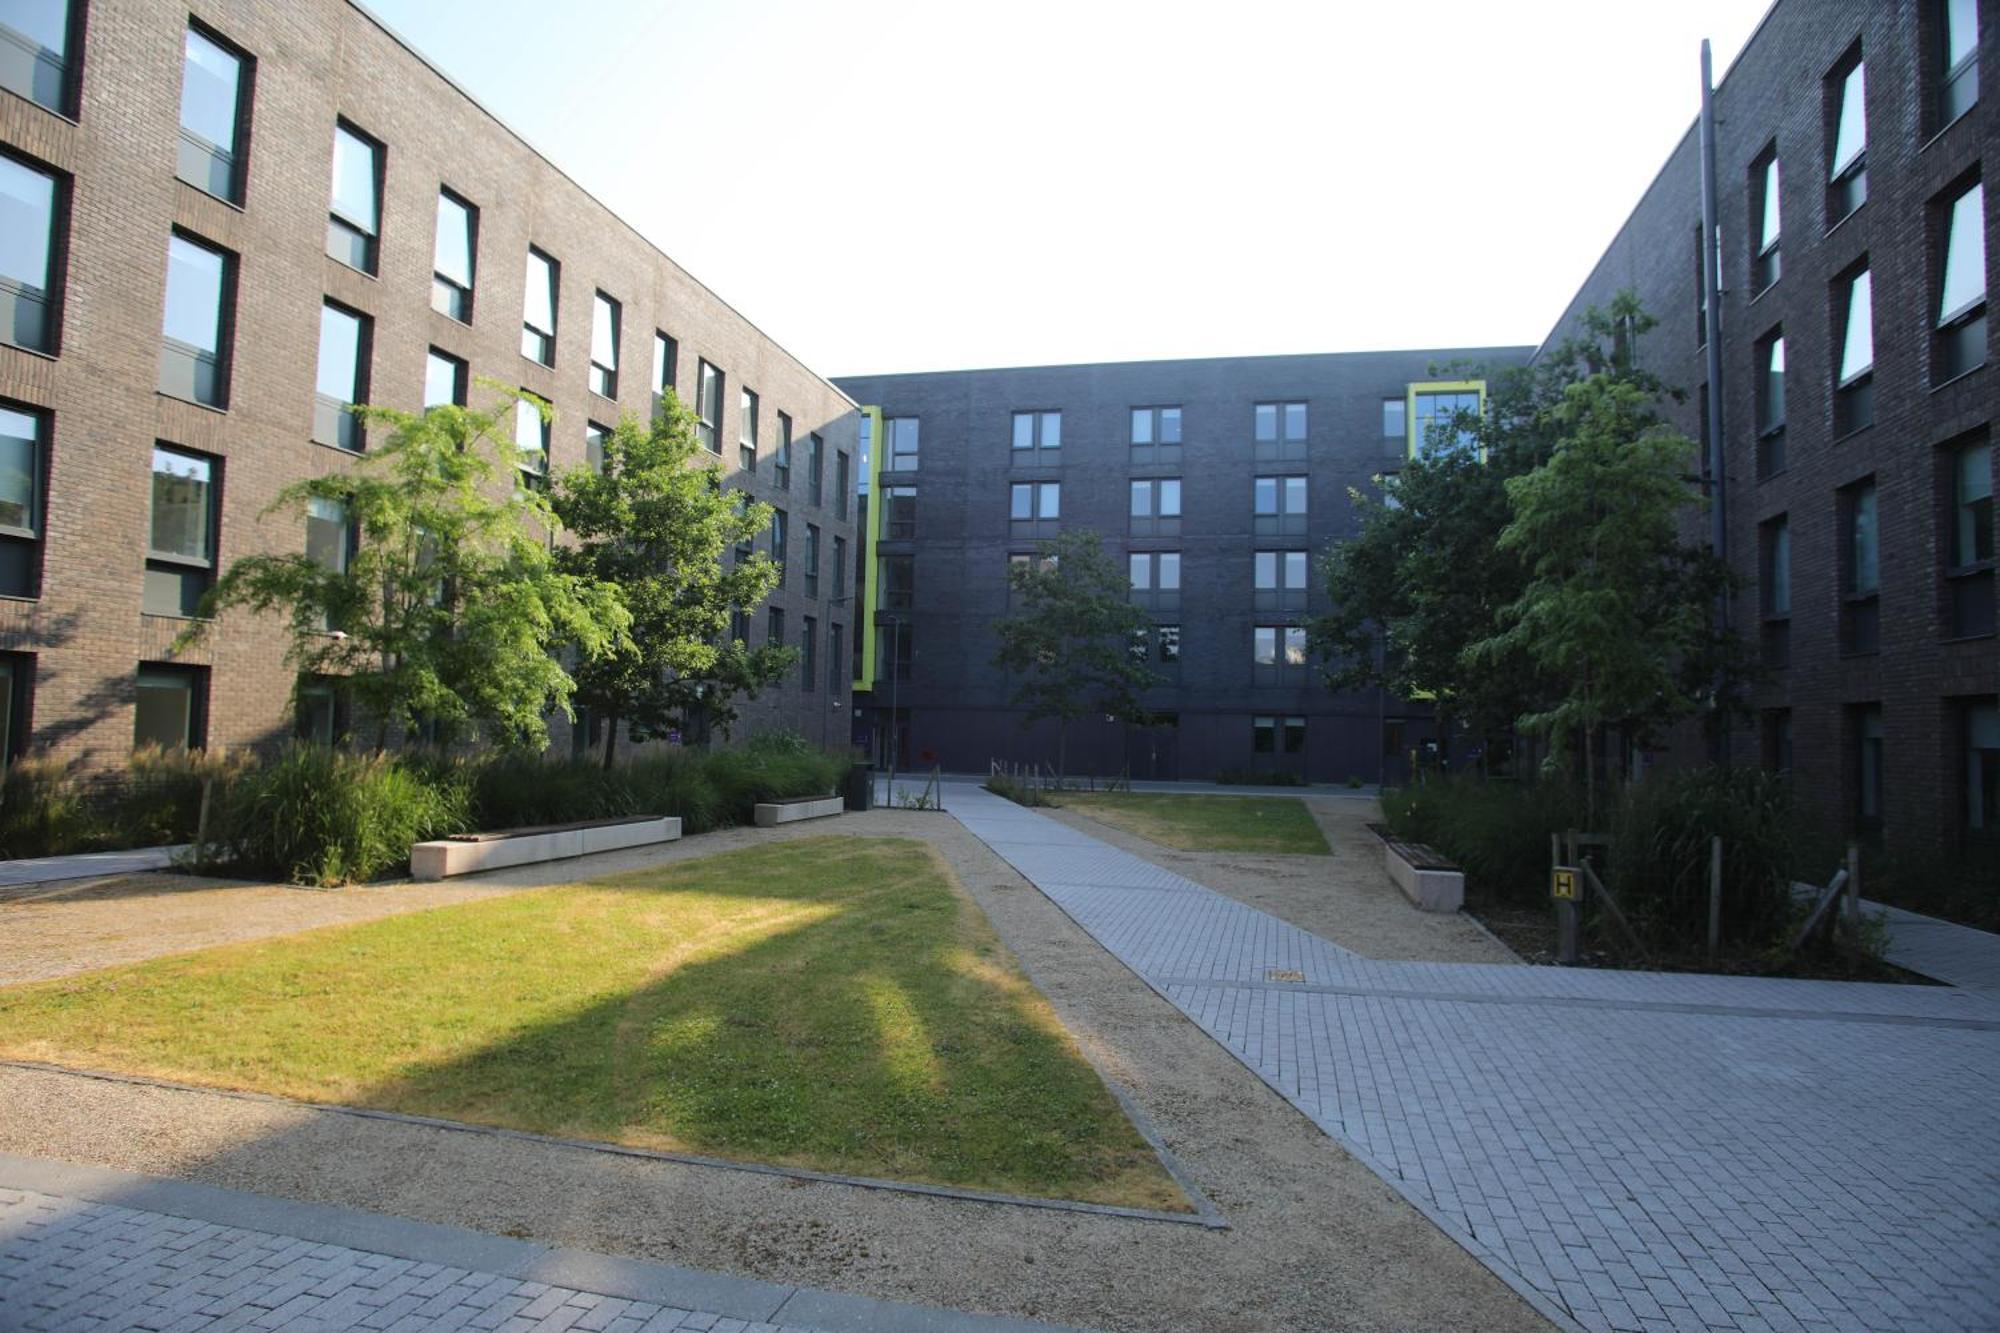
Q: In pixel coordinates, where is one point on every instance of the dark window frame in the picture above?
(175, 354)
(449, 297)
(539, 344)
(193, 151)
(604, 378)
(48, 300)
(333, 423)
(1846, 188)
(65, 71)
(23, 549)
(1958, 336)
(198, 685)
(346, 238)
(186, 577)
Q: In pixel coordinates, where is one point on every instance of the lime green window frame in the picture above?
(864, 620)
(1411, 438)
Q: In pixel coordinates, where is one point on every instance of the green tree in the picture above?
(1071, 642)
(657, 525)
(448, 608)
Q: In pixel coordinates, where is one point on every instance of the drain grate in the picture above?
(1284, 974)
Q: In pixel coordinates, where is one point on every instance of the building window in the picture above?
(1982, 767)
(666, 369)
(1969, 576)
(321, 713)
(172, 707)
(1956, 42)
(454, 251)
(180, 551)
(1036, 434)
(215, 87)
(774, 626)
(538, 308)
(840, 484)
(815, 468)
(1278, 654)
(1960, 343)
(1774, 565)
(708, 408)
(1771, 406)
(1765, 220)
(1854, 384)
(531, 442)
(329, 533)
(899, 513)
(1279, 430)
(1279, 579)
(1861, 579)
(1777, 739)
(194, 362)
(739, 626)
(17, 677)
(746, 430)
(1395, 420)
(1865, 724)
(1279, 506)
(895, 649)
(1269, 734)
(1444, 420)
(23, 444)
(839, 568)
(836, 638)
(1156, 507)
(35, 41)
(1035, 508)
(444, 380)
(781, 460)
(812, 560)
(343, 377)
(901, 433)
(1847, 119)
(781, 545)
(594, 436)
(809, 655)
(354, 222)
(1156, 579)
(1167, 641)
(1156, 436)
(899, 583)
(30, 209)
(604, 332)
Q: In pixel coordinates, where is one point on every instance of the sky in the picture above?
(901, 185)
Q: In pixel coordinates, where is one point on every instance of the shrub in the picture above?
(45, 810)
(520, 790)
(770, 767)
(1497, 832)
(1017, 791)
(160, 801)
(1659, 859)
(321, 816)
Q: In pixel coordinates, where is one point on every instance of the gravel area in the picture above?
(1316, 1240)
(1347, 897)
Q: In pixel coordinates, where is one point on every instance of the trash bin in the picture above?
(860, 791)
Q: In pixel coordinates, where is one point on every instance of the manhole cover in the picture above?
(1284, 974)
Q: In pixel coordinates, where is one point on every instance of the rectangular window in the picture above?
(453, 254)
(1765, 220)
(1445, 420)
(708, 408)
(746, 430)
(444, 380)
(538, 308)
(180, 550)
(774, 626)
(1777, 739)
(1278, 580)
(839, 568)
(781, 545)
(1279, 506)
(1956, 42)
(1279, 430)
(815, 468)
(666, 368)
(1156, 435)
(194, 360)
(329, 537)
(36, 38)
(322, 715)
(1263, 735)
(17, 677)
(1155, 577)
(23, 445)
(1771, 406)
(812, 560)
(605, 317)
(1847, 123)
(899, 583)
(1036, 434)
(902, 438)
(1854, 382)
(594, 436)
(1969, 565)
(836, 638)
(781, 461)
(1960, 341)
(1982, 767)
(171, 708)
(215, 89)
(1034, 508)
(1774, 561)
(840, 483)
(1278, 654)
(531, 443)
(809, 655)
(1295, 735)
(1156, 507)
(1865, 726)
(1395, 421)
(30, 217)
(1860, 569)
(343, 377)
(354, 222)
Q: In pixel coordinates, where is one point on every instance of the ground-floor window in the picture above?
(1274, 735)
(172, 710)
(17, 678)
(1982, 768)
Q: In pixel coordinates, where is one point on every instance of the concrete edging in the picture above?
(450, 856)
(1430, 890)
(769, 814)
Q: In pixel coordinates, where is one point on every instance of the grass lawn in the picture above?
(1206, 823)
(833, 1003)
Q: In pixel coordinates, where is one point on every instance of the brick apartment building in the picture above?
(1857, 402)
(220, 224)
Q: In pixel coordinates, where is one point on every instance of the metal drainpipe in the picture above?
(1711, 273)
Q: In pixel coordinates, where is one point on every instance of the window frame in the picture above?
(1282, 520)
(539, 344)
(193, 150)
(29, 539)
(711, 388)
(1959, 335)
(781, 457)
(347, 239)
(1766, 209)
(816, 468)
(604, 375)
(1036, 450)
(1156, 450)
(1846, 178)
(1853, 390)
(334, 424)
(666, 368)
(1769, 386)
(47, 298)
(174, 353)
(1968, 542)
(1860, 606)
(449, 297)
(45, 65)
(1952, 87)
(461, 372)
(196, 682)
(196, 572)
(897, 458)
(1043, 518)
(749, 411)
(1282, 446)
(1154, 520)
(530, 474)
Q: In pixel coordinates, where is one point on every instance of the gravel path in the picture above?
(1317, 1241)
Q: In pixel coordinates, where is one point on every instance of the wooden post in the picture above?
(1566, 932)
(1853, 903)
(201, 822)
(1714, 896)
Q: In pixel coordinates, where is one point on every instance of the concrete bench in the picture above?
(768, 814)
(468, 852)
(1427, 879)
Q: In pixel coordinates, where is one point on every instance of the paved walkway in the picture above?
(1631, 1151)
(1942, 950)
(183, 1257)
(86, 865)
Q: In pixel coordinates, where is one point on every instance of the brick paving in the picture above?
(1634, 1151)
(73, 1264)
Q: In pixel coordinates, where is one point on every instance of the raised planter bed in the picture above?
(771, 813)
(1426, 878)
(464, 853)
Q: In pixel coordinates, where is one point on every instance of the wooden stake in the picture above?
(1714, 896)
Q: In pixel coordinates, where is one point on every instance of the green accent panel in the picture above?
(1434, 386)
(864, 622)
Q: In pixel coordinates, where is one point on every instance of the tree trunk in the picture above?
(1062, 750)
(610, 739)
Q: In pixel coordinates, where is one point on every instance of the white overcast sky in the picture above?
(893, 185)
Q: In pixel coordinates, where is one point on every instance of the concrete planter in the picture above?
(1426, 879)
(494, 851)
(771, 813)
